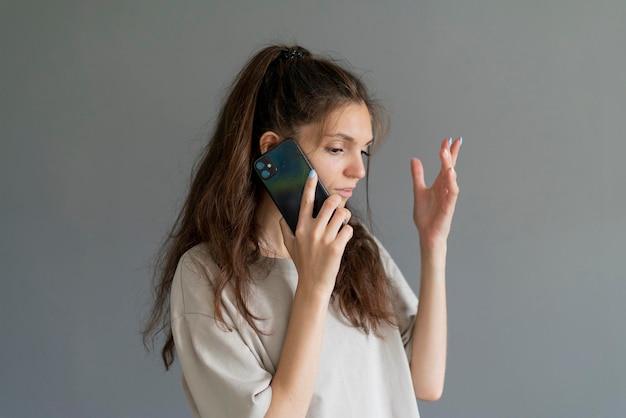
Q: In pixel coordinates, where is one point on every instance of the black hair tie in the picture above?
(292, 53)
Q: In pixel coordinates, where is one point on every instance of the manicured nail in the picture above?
(311, 174)
(450, 142)
(460, 140)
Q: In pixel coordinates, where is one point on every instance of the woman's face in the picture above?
(338, 157)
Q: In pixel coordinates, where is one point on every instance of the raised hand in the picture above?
(433, 207)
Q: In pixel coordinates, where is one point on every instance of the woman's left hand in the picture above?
(433, 207)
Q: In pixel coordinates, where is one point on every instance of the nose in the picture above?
(356, 166)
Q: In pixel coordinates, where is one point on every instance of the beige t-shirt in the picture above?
(228, 373)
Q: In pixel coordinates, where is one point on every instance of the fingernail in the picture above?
(311, 174)
(461, 141)
(450, 142)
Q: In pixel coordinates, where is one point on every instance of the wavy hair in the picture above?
(280, 89)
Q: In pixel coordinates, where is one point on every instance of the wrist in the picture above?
(315, 294)
(433, 245)
(433, 251)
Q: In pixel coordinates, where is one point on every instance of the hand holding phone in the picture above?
(283, 170)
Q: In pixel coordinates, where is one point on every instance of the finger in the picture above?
(452, 186)
(343, 237)
(444, 155)
(455, 148)
(308, 197)
(417, 172)
(328, 209)
(340, 218)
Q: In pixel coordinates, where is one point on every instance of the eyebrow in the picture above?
(349, 138)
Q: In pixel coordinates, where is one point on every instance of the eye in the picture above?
(366, 153)
(334, 151)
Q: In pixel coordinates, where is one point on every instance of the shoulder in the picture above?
(395, 275)
(198, 260)
(389, 264)
(192, 285)
(386, 260)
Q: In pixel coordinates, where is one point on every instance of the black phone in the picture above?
(283, 170)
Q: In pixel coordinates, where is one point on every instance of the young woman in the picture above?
(320, 323)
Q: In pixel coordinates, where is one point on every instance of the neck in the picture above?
(270, 235)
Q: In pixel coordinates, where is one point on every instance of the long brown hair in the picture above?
(281, 89)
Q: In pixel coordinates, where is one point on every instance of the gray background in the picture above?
(105, 105)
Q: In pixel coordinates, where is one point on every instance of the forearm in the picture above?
(428, 356)
(294, 381)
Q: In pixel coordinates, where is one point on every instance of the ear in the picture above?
(268, 141)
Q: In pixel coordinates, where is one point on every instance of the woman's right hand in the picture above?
(316, 249)
(318, 244)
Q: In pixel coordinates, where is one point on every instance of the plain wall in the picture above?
(105, 105)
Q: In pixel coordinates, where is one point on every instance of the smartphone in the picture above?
(283, 170)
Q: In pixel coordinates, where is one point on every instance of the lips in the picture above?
(345, 192)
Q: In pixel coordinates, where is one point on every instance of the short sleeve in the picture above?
(403, 298)
(223, 377)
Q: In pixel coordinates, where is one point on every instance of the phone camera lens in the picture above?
(260, 165)
(265, 174)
